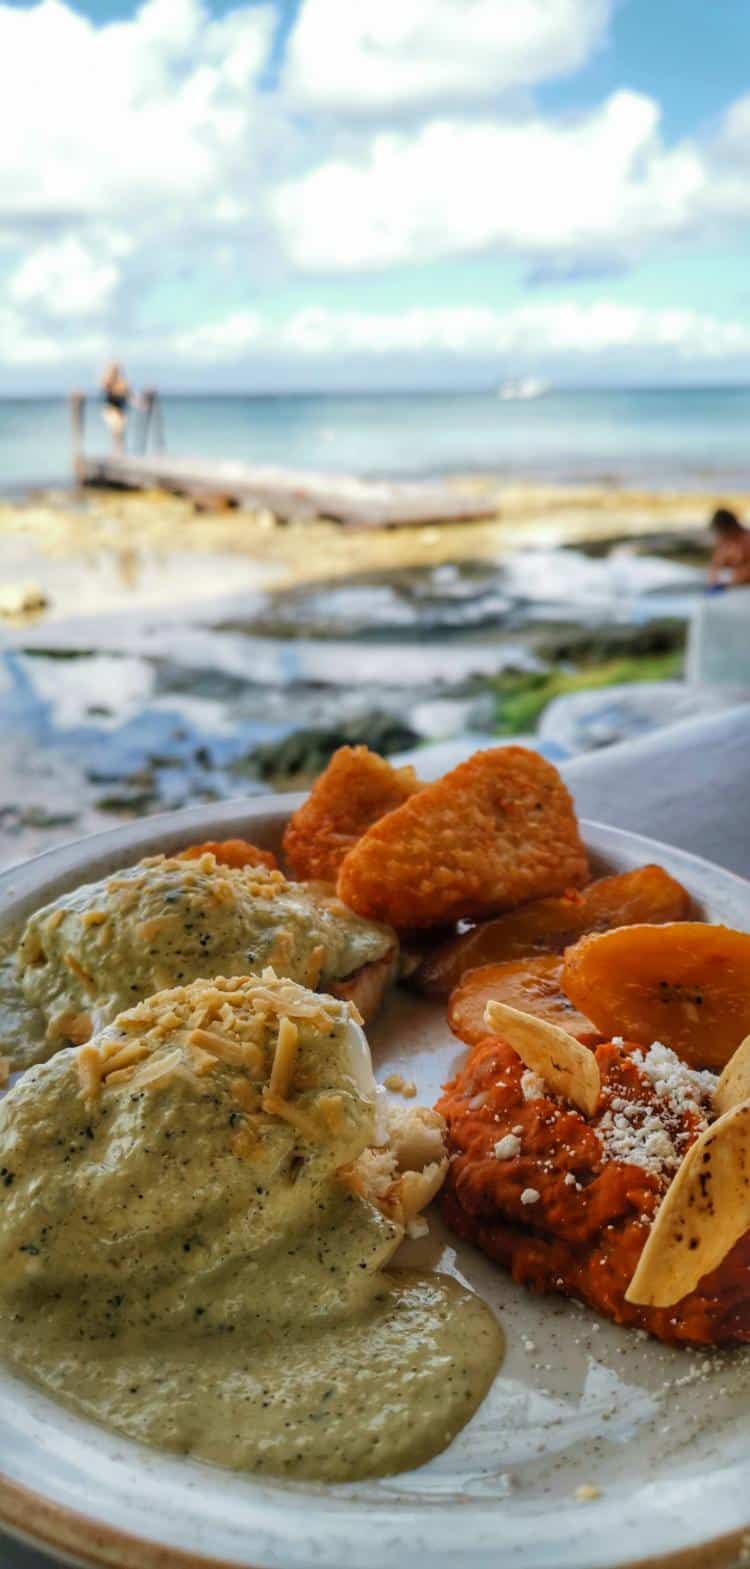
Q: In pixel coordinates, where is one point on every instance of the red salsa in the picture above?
(564, 1203)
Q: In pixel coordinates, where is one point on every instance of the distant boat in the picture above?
(522, 388)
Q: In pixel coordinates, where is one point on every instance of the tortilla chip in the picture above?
(704, 1212)
(231, 852)
(356, 789)
(569, 1069)
(498, 829)
(734, 1083)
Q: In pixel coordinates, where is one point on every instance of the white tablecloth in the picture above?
(689, 786)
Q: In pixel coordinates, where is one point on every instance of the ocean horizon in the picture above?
(693, 438)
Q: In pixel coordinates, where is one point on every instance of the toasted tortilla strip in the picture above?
(569, 1068)
(703, 1213)
(734, 1083)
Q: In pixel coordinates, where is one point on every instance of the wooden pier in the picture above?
(289, 493)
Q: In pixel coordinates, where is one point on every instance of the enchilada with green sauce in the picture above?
(167, 921)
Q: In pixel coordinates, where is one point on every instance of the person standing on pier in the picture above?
(117, 395)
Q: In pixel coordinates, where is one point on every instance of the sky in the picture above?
(373, 193)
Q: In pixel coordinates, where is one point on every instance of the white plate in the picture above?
(662, 1433)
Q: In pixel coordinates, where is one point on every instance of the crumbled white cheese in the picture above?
(477, 1100)
(653, 1137)
(530, 1196)
(507, 1147)
(674, 1081)
(532, 1086)
(637, 1136)
(569, 1180)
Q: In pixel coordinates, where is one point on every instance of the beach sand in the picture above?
(111, 549)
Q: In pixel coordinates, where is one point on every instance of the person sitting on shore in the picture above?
(730, 562)
(117, 394)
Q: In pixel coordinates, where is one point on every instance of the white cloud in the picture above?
(145, 172)
(359, 56)
(601, 185)
(134, 117)
(734, 132)
(66, 278)
(549, 331)
(228, 339)
(24, 345)
(558, 337)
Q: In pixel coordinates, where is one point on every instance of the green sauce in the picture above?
(98, 950)
(22, 1026)
(221, 1298)
(381, 1391)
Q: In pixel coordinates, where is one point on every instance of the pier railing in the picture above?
(216, 483)
(147, 426)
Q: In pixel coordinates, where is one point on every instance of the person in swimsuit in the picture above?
(117, 395)
(730, 562)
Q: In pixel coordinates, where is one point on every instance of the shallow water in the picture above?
(684, 436)
(130, 712)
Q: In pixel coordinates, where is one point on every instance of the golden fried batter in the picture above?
(231, 852)
(498, 829)
(356, 789)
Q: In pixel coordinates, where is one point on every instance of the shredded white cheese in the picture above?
(398, 1085)
(284, 1057)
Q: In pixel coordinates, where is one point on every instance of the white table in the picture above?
(689, 786)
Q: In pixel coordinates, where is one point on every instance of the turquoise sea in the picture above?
(689, 437)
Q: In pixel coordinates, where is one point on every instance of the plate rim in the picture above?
(137, 1552)
(36, 1519)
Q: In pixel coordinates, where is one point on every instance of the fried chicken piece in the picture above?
(497, 830)
(230, 852)
(356, 789)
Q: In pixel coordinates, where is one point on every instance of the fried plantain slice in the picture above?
(686, 984)
(647, 894)
(530, 985)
